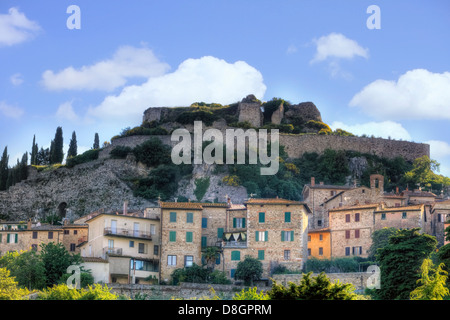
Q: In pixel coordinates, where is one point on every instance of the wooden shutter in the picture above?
(243, 222)
(282, 236)
(16, 240)
(292, 235)
(234, 222)
(266, 235)
(256, 236)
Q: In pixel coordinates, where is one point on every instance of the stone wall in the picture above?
(358, 279)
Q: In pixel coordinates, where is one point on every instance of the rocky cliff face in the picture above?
(74, 192)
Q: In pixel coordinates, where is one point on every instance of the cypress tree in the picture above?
(57, 154)
(34, 152)
(4, 169)
(96, 142)
(73, 149)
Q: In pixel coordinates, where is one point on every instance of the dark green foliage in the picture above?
(86, 279)
(152, 153)
(400, 261)
(194, 273)
(443, 256)
(145, 130)
(316, 288)
(4, 169)
(73, 148)
(96, 144)
(249, 270)
(188, 117)
(353, 264)
(43, 157)
(56, 153)
(120, 152)
(87, 156)
(34, 152)
(201, 186)
(380, 240)
(56, 260)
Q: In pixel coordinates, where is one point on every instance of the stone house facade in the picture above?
(319, 243)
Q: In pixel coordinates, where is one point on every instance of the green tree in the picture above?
(43, 157)
(9, 289)
(56, 149)
(153, 153)
(4, 169)
(56, 260)
(73, 148)
(63, 292)
(96, 142)
(34, 151)
(313, 288)
(249, 270)
(433, 283)
(400, 261)
(379, 240)
(210, 254)
(28, 269)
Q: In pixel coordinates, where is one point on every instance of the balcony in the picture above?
(112, 251)
(234, 244)
(127, 233)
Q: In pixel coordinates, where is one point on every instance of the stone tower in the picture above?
(249, 110)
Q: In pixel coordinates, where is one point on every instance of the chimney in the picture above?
(229, 202)
(396, 190)
(125, 207)
(313, 181)
(29, 224)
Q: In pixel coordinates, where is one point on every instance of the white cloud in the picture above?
(417, 94)
(291, 49)
(65, 112)
(16, 79)
(336, 45)
(384, 129)
(206, 79)
(10, 111)
(127, 62)
(16, 28)
(438, 149)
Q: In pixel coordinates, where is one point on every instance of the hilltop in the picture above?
(136, 167)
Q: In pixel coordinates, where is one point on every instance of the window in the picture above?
(262, 217)
(356, 251)
(50, 234)
(171, 260)
(204, 241)
(110, 244)
(320, 237)
(439, 217)
(239, 223)
(287, 254)
(383, 216)
(356, 217)
(131, 244)
(235, 255)
(347, 234)
(347, 218)
(220, 233)
(173, 217)
(309, 252)
(189, 236)
(260, 254)
(152, 229)
(347, 251)
(319, 223)
(12, 238)
(357, 233)
(172, 236)
(261, 235)
(189, 217)
(188, 261)
(404, 215)
(155, 250)
(320, 251)
(35, 234)
(75, 231)
(309, 238)
(204, 223)
(66, 231)
(72, 247)
(287, 217)
(142, 248)
(287, 235)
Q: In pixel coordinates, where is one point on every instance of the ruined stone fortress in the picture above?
(250, 110)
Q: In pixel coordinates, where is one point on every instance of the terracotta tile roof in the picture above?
(220, 205)
(405, 208)
(355, 207)
(328, 186)
(319, 230)
(181, 205)
(94, 259)
(237, 207)
(271, 201)
(45, 227)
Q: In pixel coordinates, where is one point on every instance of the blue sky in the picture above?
(131, 55)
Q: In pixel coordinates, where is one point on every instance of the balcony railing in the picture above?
(112, 251)
(123, 232)
(234, 244)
